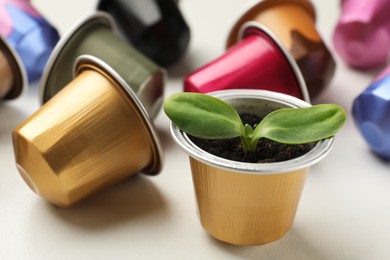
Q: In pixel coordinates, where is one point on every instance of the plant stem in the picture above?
(247, 139)
(245, 144)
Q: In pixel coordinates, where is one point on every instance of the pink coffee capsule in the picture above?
(258, 61)
(362, 34)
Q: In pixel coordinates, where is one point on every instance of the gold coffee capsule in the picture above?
(245, 203)
(96, 35)
(293, 21)
(93, 133)
(12, 74)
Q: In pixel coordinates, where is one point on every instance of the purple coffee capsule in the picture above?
(371, 112)
(29, 33)
(362, 34)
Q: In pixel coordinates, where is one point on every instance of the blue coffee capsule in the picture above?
(371, 112)
(29, 33)
(154, 27)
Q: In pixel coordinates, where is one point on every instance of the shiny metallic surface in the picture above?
(249, 203)
(154, 27)
(293, 21)
(88, 61)
(12, 73)
(254, 28)
(29, 33)
(95, 35)
(265, 11)
(90, 135)
(246, 209)
(6, 76)
(371, 113)
(242, 67)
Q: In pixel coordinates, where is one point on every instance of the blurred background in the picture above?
(343, 212)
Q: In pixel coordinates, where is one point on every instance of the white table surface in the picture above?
(344, 211)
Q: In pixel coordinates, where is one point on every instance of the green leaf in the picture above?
(203, 116)
(301, 125)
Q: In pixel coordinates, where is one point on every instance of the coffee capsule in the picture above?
(362, 33)
(293, 22)
(13, 77)
(371, 113)
(95, 35)
(93, 133)
(154, 27)
(258, 61)
(29, 33)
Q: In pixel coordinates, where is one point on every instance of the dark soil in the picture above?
(267, 151)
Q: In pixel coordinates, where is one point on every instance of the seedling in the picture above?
(208, 117)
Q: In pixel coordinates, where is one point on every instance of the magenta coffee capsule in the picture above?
(258, 61)
(293, 22)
